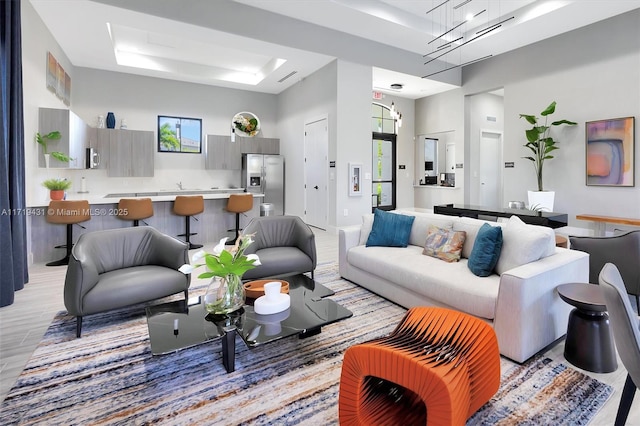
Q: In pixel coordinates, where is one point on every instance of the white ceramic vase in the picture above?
(541, 200)
(46, 160)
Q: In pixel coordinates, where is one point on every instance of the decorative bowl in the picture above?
(255, 289)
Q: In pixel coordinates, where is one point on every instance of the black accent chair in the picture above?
(122, 267)
(626, 333)
(621, 250)
(284, 244)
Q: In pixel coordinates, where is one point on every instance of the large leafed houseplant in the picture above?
(542, 144)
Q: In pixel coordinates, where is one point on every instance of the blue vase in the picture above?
(111, 121)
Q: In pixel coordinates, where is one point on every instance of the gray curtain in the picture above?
(13, 232)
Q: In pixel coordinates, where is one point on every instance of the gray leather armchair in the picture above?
(621, 250)
(626, 332)
(121, 267)
(284, 244)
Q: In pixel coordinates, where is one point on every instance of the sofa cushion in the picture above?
(365, 230)
(421, 224)
(486, 250)
(522, 243)
(451, 284)
(389, 229)
(444, 244)
(471, 227)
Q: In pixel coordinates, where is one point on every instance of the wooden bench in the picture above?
(601, 221)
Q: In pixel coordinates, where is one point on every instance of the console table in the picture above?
(601, 221)
(549, 219)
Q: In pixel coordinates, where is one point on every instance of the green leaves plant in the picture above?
(539, 141)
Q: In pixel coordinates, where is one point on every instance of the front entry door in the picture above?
(383, 191)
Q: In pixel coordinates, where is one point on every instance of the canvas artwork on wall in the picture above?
(610, 152)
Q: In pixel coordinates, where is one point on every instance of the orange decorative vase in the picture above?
(56, 194)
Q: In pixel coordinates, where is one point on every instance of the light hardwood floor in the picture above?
(23, 324)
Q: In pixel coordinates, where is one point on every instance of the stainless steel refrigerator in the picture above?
(264, 174)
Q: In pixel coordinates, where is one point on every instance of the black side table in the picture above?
(589, 343)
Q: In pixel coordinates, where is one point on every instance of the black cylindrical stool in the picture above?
(67, 213)
(589, 343)
(187, 206)
(135, 209)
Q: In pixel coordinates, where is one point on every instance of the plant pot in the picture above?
(224, 295)
(541, 200)
(56, 194)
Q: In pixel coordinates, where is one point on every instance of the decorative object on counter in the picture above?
(101, 122)
(179, 134)
(83, 186)
(273, 300)
(255, 289)
(245, 124)
(542, 145)
(123, 124)
(610, 152)
(56, 187)
(225, 292)
(111, 120)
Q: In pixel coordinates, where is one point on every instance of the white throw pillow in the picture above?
(522, 243)
(367, 224)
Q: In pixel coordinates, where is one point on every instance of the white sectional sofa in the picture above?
(521, 303)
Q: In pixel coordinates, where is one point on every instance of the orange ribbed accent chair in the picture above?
(438, 367)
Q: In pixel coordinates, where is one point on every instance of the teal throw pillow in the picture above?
(390, 229)
(486, 250)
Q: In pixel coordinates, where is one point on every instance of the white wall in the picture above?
(439, 113)
(36, 42)
(592, 73)
(479, 108)
(312, 98)
(353, 142)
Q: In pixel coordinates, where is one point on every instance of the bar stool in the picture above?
(67, 213)
(187, 206)
(239, 203)
(135, 209)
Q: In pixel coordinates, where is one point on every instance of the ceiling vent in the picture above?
(287, 76)
(397, 86)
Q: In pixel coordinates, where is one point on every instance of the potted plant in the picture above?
(43, 139)
(56, 187)
(542, 145)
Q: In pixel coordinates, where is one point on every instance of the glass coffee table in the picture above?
(183, 324)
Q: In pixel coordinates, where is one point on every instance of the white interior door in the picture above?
(316, 146)
(490, 171)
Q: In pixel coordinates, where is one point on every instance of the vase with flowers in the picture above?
(225, 292)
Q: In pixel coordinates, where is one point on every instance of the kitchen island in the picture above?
(211, 225)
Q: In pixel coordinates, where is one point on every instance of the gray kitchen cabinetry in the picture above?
(222, 154)
(126, 153)
(73, 141)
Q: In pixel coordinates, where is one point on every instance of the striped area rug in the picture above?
(110, 377)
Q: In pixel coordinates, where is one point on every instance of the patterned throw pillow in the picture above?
(444, 244)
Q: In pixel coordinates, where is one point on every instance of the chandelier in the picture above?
(455, 24)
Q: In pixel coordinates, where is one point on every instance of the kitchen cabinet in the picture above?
(73, 141)
(126, 153)
(222, 154)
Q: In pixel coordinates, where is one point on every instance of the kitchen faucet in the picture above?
(179, 185)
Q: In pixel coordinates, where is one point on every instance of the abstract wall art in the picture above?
(610, 152)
